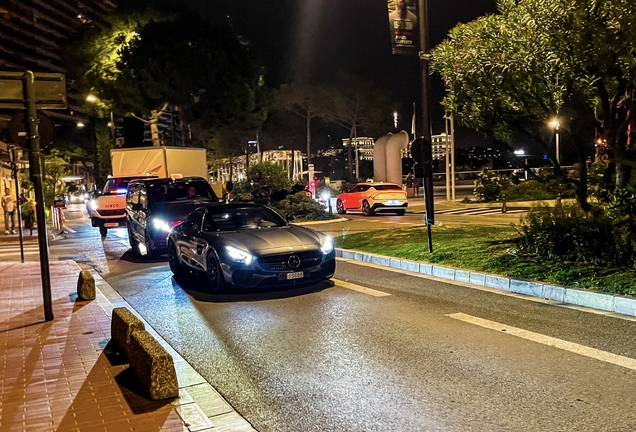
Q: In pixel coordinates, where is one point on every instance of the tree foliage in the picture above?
(357, 105)
(535, 59)
(146, 62)
(305, 100)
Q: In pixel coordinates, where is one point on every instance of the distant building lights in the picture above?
(80, 125)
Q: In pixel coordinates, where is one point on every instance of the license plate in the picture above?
(111, 224)
(294, 275)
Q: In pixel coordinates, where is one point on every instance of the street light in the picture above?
(555, 125)
(522, 153)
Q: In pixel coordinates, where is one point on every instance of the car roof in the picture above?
(233, 205)
(168, 180)
(375, 184)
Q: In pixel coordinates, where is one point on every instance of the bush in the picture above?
(568, 233)
(301, 206)
(490, 186)
(533, 190)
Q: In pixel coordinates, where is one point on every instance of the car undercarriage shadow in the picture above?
(195, 286)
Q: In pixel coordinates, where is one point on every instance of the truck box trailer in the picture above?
(159, 161)
(108, 210)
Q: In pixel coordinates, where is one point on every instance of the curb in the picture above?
(217, 414)
(592, 299)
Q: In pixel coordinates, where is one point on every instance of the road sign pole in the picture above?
(425, 124)
(28, 80)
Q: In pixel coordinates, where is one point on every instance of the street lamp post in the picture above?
(555, 124)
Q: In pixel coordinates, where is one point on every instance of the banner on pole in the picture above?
(403, 16)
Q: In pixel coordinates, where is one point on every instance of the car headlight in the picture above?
(92, 204)
(327, 246)
(161, 225)
(238, 255)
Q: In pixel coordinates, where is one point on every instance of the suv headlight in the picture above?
(161, 225)
(238, 255)
(327, 245)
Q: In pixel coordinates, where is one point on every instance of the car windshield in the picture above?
(181, 190)
(117, 185)
(243, 218)
(387, 187)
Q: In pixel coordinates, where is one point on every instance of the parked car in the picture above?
(373, 197)
(249, 245)
(154, 206)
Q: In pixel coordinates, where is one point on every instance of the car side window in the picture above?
(364, 188)
(194, 220)
(143, 198)
(133, 196)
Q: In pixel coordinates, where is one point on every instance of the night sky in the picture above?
(314, 39)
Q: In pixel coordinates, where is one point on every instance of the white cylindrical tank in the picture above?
(397, 142)
(379, 157)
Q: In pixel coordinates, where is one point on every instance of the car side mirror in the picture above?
(289, 218)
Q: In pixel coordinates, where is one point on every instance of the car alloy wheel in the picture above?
(340, 207)
(173, 260)
(366, 209)
(215, 277)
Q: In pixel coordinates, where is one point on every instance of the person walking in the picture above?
(9, 206)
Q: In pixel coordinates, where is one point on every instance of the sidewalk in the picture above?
(61, 376)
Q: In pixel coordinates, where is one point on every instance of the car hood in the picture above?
(270, 240)
(176, 210)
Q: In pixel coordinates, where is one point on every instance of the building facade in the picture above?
(32, 33)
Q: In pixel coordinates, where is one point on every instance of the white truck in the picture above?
(108, 210)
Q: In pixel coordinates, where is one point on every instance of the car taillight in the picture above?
(175, 223)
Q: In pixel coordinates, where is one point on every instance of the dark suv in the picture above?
(154, 206)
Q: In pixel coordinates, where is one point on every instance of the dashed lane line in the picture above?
(359, 288)
(572, 347)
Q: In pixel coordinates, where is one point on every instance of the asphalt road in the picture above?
(381, 350)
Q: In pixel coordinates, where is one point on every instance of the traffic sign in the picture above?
(50, 90)
(19, 131)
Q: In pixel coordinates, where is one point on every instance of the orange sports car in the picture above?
(370, 198)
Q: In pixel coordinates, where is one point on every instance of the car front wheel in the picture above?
(151, 252)
(214, 275)
(366, 209)
(134, 244)
(340, 207)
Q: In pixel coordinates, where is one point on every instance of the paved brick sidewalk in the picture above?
(60, 375)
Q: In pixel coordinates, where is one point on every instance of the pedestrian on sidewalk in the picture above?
(9, 206)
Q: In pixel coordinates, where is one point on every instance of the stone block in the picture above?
(122, 325)
(526, 287)
(426, 269)
(86, 285)
(153, 366)
(444, 272)
(591, 299)
(477, 278)
(462, 276)
(497, 282)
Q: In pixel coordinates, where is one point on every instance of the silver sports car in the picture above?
(249, 246)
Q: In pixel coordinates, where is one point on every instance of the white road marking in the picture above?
(360, 288)
(575, 348)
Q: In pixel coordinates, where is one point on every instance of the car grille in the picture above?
(279, 262)
(112, 212)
